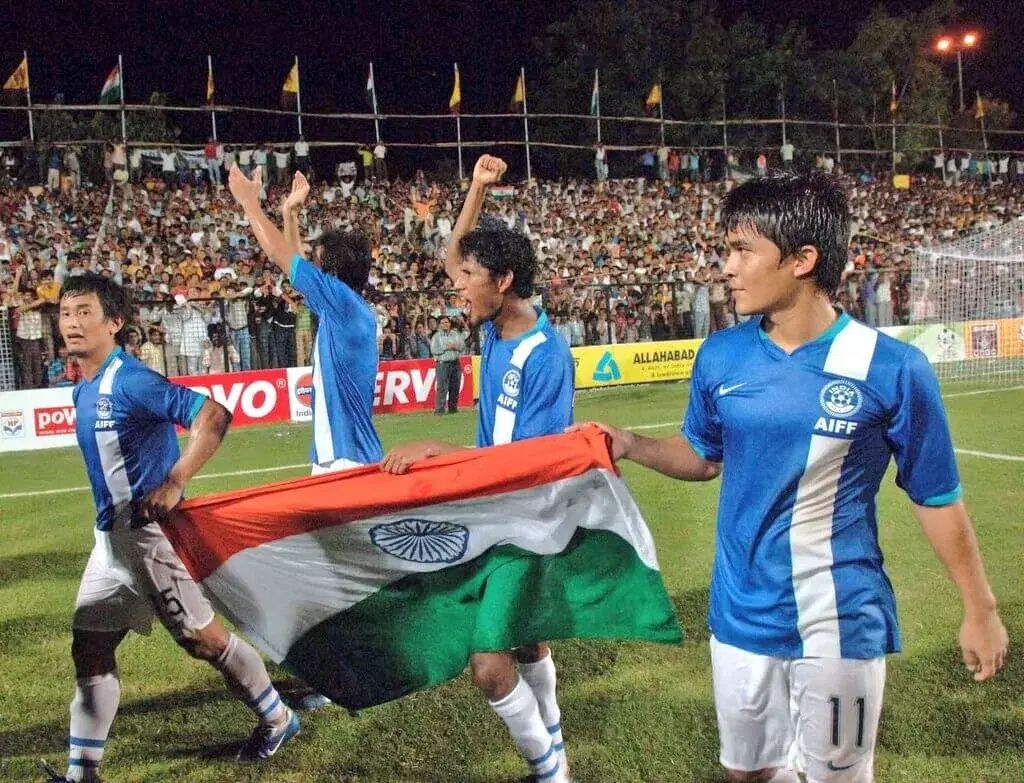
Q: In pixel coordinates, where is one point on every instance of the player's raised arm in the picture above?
(673, 456)
(983, 639)
(290, 208)
(487, 171)
(204, 438)
(247, 192)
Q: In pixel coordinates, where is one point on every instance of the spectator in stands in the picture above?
(212, 163)
(302, 155)
(236, 314)
(152, 352)
(446, 346)
(214, 350)
(284, 325)
(600, 162)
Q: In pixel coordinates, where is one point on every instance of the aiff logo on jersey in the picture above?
(104, 408)
(840, 398)
(607, 369)
(510, 382)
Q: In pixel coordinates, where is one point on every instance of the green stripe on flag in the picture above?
(420, 631)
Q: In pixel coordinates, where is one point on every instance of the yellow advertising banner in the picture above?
(994, 339)
(617, 365)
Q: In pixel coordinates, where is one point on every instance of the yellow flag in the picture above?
(653, 97)
(291, 84)
(455, 102)
(209, 83)
(519, 96)
(979, 107)
(19, 79)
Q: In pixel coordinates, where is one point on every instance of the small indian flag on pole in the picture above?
(112, 92)
(371, 586)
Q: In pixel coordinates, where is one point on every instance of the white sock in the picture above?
(784, 775)
(541, 678)
(92, 712)
(246, 677)
(521, 715)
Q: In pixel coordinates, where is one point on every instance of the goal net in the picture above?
(967, 306)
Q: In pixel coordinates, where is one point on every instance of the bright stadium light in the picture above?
(943, 44)
(948, 44)
(970, 39)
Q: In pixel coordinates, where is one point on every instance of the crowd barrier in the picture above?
(45, 418)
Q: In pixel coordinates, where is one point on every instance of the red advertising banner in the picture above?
(258, 397)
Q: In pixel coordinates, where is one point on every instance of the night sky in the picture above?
(73, 45)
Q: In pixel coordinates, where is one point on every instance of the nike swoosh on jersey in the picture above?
(834, 768)
(724, 390)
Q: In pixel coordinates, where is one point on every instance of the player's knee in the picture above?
(531, 653)
(93, 653)
(494, 674)
(202, 646)
(743, 776)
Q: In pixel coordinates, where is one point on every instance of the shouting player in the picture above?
(125, 423)
(800, 409)
(526, 390)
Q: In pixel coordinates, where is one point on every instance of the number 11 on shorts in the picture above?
(837, 708)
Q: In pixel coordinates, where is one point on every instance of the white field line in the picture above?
(661, 425)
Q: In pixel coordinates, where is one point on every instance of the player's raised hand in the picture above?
(157, 505)
(622, 441)
(300, 190)
(245, 190)
(489, 169)
(983, 642)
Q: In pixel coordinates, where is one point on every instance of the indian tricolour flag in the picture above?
(371, 586)
(111, 92)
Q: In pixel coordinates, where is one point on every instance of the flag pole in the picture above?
(28, 96)
(298, 93)
(373, 95)
(782, 99)
(938, 120)
(839, 150)
(458, 125)
(725, 130)
(597, 94)
(984, 137)
(213, 114)
(661, 111)
(120, 74)
(892, 115)
(526, 125)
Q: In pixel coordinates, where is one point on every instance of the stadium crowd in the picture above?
(621, 260)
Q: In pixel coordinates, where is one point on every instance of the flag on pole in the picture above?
(17, 82)
(979, 107)
(653, 99)
(112, 91)
(455, 101)
(894, 103)
(391, 589)
(595, 97)
(519, 96)
(290, 88)
(371, 88)
(210, 89)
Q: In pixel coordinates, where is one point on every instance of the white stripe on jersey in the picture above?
(115, 474)
(810, 544)
(810, 533)
(323, 442)
(851, 351)
(504, 419)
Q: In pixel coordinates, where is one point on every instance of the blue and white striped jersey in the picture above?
(344, 368)
(526, 385)
(805, 440)
(124, 421)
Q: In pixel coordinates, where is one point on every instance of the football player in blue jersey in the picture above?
(344, 354)
(800, 410)
(526, 390)
(126, 417)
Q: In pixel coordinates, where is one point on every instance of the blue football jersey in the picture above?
(526, 385)
(124, 422)
(804, 440)
(344, 368)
